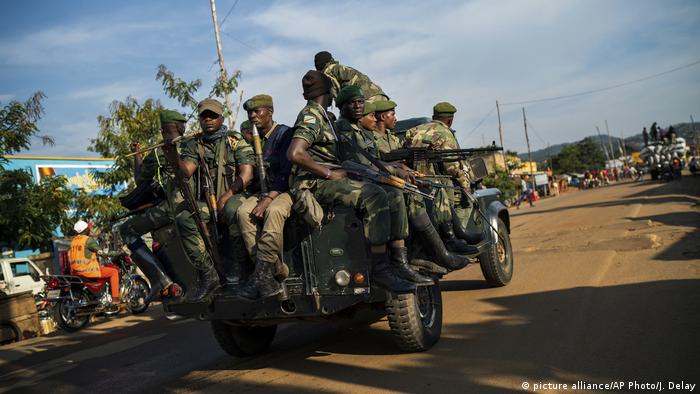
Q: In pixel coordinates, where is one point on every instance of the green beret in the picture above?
(170, 116)
(384, 105)
(444, 108)
(369, 108)
(348, 93)
(246, 125)
(255, 102)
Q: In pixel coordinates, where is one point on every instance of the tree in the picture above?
(18, 125)
(581, 156)
(503, 182)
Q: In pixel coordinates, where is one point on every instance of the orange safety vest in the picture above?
(79, 264)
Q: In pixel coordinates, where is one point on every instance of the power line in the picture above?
(605, 88)
(256, 50)
(480, 122)
(227, 14)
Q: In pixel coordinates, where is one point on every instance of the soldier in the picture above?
(155, 167)
(384, 137)
(267, 213)
(437, 134)
(247, 131)
(342, 76)
(229, 160)
(314, 143)
(368, 122)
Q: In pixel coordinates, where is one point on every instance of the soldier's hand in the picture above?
(337, 174)
(259, 210)
(135, 146)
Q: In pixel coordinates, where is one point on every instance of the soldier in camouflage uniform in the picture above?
(384, 137)
(342, 76)
(438, 135)
(358, 145)
(368, 122)
(155, 168)
(315, 143)
(229, 159)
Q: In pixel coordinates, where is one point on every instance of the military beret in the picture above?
(170, 116)
(384, 105)
(444, 108)
(348, 93)
(246, 125)
(369, 108)
(255, 102)
(212, 105)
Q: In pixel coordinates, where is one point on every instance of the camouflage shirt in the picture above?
(353, 138)
(342, 76)
(313, 126)
(222, 155)
(387, 142)
(439, 136)
(156, 167)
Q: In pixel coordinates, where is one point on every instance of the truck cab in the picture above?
(18, 275)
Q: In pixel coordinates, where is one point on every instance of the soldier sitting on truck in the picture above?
(359, 146)
(314, 143)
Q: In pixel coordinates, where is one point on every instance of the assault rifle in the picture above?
(380, 177)
(156, 146)
(426, 154)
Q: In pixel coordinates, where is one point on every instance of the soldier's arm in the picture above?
(186, 161)
(138, 161)
(298, 155)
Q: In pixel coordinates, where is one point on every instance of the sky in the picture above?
(85, 54)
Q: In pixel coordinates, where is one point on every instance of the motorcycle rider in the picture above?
(82, 257)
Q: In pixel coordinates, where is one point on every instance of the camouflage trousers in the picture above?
(264, 238)
(383, 209)
(438, 209)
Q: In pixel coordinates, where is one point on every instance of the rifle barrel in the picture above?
(156, 146)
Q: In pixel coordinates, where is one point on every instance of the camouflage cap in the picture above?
(348, 93)
(384, 105)
(369, 108)
(444, 109)
(246, 125)
(170, 116)
(212, 105)
(255, 102)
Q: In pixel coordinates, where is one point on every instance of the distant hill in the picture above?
(633, 143)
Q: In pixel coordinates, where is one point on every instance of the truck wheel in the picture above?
(416, 319)
(243, 341)
(497, 261)
(65, 313)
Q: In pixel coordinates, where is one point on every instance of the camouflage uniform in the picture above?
(342, 76)
(438, 135)
(223, 156)
(313, 126)
(352, 140)
(387, 142)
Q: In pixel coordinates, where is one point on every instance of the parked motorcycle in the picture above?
(75, 298)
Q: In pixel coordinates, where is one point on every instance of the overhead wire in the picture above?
(480, 122)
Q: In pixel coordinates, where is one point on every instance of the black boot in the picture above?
(399, 261)
(383, 276)
(207, 284)
(472, 238)
(453, 243)
(151, 267)
(233, 269)
(261, 284)
(435, 247)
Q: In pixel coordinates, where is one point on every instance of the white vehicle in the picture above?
(20, 275)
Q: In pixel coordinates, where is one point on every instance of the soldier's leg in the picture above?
(249, 226)
(233, 270)
(463, 209)
(398, 213)
(443, 218)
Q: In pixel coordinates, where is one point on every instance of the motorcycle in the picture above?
(76, 298)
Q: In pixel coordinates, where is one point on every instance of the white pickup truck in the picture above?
(19, 275)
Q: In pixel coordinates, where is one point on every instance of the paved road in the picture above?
(606, 288)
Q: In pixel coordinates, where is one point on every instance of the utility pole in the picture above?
(549, 154)
(622, 144)
(529, 155)
(602, 145)
(695, 136)
(223, 75)
(500, 136)
(612, 155)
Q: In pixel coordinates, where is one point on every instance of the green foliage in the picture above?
(18, 125)
(580, 156)
(503, 182)
(182, 91)
(98, 209)
(30, 212)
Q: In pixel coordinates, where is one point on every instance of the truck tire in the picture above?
(416, 319)
(497, 261)
(243, 341)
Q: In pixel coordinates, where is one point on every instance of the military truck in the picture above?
(330, 276)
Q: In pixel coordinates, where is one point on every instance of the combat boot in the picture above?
(233, 271)
(453, 243)
(153, 269)
(472, 238)
(383, 275)
(435, 247)
(261, 284)
(207, 284)
(399, 261)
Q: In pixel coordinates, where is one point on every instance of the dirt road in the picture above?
(606, 289)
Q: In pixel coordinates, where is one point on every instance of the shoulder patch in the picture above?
(309, 119)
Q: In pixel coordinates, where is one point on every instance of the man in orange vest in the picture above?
(83, 259)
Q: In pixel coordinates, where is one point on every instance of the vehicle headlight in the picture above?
(342, 278)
